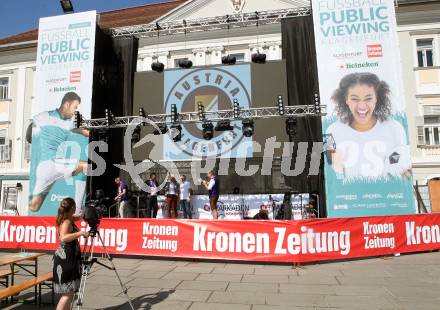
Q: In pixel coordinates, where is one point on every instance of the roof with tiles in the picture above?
(111, 19)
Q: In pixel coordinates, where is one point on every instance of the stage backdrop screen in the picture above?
(215, 87)
(368, 167)
(64, 78)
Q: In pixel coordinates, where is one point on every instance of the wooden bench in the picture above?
(4, 277)
(42, 280)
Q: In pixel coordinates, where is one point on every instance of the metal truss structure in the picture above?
(209, 116)
(210, 23)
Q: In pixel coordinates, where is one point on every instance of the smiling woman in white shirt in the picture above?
(369, 143)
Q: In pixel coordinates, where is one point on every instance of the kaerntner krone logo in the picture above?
(215, 89)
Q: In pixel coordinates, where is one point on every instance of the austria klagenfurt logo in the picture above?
(215, 89)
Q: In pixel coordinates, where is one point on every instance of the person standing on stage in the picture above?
(122, 197)
(263, 214)
(213, 187)
(185, 197)
(152, 196)
(172, 192)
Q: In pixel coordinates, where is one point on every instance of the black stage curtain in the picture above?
(115, 65)
(298, 43)
(126, 49)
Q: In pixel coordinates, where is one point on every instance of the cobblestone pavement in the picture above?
(408, 282)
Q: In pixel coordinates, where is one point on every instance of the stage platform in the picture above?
(246, 240)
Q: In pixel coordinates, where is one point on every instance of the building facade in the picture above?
(419, 34)
(419, 39)
(16, 82)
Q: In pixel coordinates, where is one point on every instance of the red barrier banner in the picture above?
(277, 241)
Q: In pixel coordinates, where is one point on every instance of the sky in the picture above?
(21, 15)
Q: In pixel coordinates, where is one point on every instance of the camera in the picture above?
(93, 212)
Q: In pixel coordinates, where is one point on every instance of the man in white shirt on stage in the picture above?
(185, 197)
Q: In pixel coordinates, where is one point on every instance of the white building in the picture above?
(419, 32)
(419, 38)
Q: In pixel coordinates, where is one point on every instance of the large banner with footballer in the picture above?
(368, 167)
(64, 79)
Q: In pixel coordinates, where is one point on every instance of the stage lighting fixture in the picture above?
(78, 119)
(185, 63)
(201, 111)
(259, 58)
(157, 66)
(291, 123)
(163, 129)
(174, 115)
(280, 105)
(236, 108)
(223, 126)
(67, 6)
(317, 104)
(176, 132)
(248, 127)
(109, 117)
(229, 60)
(142, 115)
(208, 130)
(136, 137)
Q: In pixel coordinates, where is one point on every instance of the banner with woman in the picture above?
(368, 166)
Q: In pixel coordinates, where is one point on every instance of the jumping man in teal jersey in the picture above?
(54, 128)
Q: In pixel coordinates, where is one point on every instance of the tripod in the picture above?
(88, 260)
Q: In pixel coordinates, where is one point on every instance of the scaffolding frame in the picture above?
(209, 116)
(233, 21)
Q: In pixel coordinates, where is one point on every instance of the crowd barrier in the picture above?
(249, 240)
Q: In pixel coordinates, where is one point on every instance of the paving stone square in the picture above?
(407, 282)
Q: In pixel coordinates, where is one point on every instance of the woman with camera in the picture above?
(67, 257)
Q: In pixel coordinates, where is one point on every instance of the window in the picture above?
(239, 57)
(5, 148)
(431, 135)
(10, 194)
(424, 53)
(4, 88)
(436, 135)
(27, 151)
(3, 134)
(420, 136)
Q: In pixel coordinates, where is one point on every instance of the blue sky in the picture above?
(21, 15)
